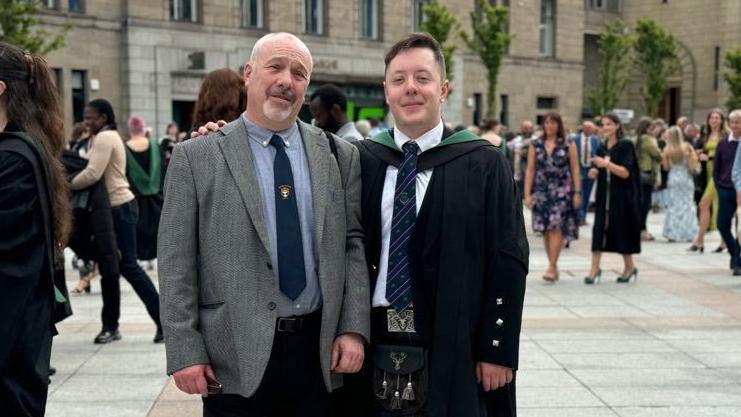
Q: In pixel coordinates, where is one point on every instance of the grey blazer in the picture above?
(216, 284)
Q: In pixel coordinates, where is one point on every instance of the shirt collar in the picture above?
(731, 138)
(262, 135)
(346, 128)
(427, 141)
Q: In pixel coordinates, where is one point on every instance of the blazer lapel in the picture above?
(236, 150)
(317, 154)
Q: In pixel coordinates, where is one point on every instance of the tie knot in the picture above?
(410, 147)
(277, 142)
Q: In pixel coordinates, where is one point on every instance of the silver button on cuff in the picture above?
(495, 343)
(500, 301)
(500, 322)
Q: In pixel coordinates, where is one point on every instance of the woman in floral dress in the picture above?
(553, 189)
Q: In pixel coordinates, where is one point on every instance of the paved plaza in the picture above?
(666, 346)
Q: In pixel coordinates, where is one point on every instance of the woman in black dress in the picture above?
(34, 224)
(617, 221)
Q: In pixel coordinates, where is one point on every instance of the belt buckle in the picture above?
(289, 324)
(400, 322)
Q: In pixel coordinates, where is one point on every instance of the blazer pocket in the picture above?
(209, 305)
(338, 196)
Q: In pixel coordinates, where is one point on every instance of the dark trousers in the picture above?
(24, 378)
(292, 386)
(646, 194)
(125, 219)
(726, 211)
(586, 190)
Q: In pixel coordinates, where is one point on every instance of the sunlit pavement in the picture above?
(666, 345)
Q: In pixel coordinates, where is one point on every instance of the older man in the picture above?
(262, 270)
(587, 144)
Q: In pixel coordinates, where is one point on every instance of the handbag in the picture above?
(400, 378)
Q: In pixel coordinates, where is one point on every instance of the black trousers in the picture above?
(726, 212)
(646, 193)
(292, 386)
(125, 220)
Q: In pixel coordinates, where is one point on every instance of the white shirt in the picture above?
(349, 132)
(427, 141)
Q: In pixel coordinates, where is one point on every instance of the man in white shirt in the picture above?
(328, 105)
(446, 252)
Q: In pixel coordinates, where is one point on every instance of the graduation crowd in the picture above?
(690, 172)
(337, 268)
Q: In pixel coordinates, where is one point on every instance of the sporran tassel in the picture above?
(383, 393)
(396, 401)
(408, 393)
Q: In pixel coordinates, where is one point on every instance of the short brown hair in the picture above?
(418, 40)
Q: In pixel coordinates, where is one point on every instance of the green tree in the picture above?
(490, 41)
(18, 21)
(614, 45)
(439, 23)
(656, 59)
(733, 78)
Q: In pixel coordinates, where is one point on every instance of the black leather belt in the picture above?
(298, 323)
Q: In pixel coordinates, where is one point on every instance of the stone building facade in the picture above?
(148, 57)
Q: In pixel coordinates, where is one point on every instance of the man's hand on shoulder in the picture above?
(348, 354)
(207, 128)
(192, 379)
(492, 376)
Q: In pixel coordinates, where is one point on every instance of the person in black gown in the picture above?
(34, 224)
(617, 220)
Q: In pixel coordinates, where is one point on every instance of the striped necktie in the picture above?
(398, 279)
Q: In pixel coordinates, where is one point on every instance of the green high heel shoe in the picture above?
(592, 279)
(626, 279)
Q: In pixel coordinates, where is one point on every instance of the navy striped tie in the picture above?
(398, 278)
(291, 272)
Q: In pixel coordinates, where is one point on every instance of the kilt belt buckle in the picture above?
(400, 322)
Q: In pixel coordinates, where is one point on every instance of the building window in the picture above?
(74, 6)
(716, 69)
(547, 103)
(418, 16)
(314, 16)
(504, 110)
(50, 4)
(612, 6)
(58, 79)
(369, 19)
(79, 96)
(547, 27)
(184, 10)
(252, 14)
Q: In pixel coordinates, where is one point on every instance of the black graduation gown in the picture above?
(26, 281)
(469, 262)
(619, 228)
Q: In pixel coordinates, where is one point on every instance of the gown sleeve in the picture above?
(508, 252)
(21, 244)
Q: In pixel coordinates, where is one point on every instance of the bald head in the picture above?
(588, 128)
(282, 41)
(276, 77)
(526, 128)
